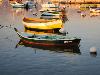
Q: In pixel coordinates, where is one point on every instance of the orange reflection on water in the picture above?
(0, 2)
(94, 14)
(38, 32)
(18, 11)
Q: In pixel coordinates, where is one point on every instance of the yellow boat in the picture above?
(42, 24)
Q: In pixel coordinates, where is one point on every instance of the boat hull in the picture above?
(49, 40)
(56, 49)
(61, 44)
(17, 5)
(43, 25)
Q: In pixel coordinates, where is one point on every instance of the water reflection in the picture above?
(93, 51)
(18, 11)
(0, 3)
(94, 14)
(83, 14)
(64, 15)
(75, 50)
(36, 31)
(93, 54)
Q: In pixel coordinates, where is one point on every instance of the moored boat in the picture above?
(88, 5)
(17, 5)
(84, 7)
(71, 50)
(52, 40)
(47, 9)
(49, 5)
(42, 24)
(50, 14)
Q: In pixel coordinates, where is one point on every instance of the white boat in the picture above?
(50, 14)
(18, 5)
(49, 5)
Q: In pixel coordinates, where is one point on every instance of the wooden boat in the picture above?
(49, 5)
(50, 17)
(71, 50)
(84, 7)
(36, 20)
(17, 5)
(47, 9)
(52, 40)
(42, 24)
(50, 14)
(88, 5)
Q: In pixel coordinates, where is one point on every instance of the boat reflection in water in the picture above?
(61, 49)
(0, 2)
(36, 31)
(93, 14)
(93, 54)
(71, 50)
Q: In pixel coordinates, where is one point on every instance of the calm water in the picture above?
(35, 61)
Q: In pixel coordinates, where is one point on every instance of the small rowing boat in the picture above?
(53, 40)
(42, 24)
